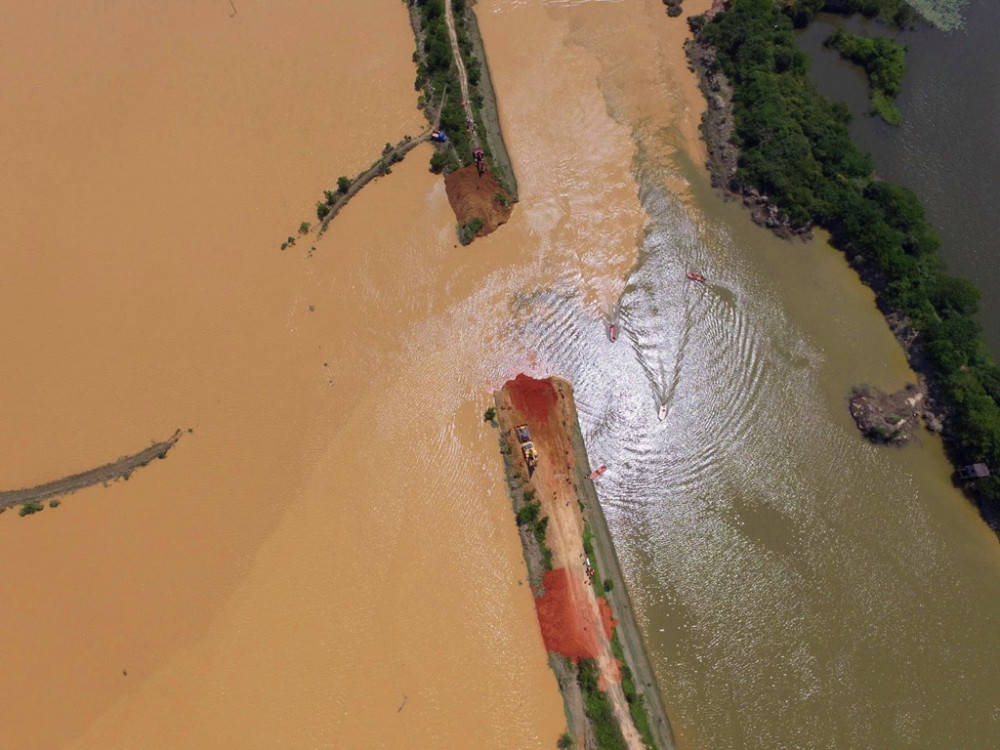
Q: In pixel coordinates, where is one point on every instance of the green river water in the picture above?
(798, 587)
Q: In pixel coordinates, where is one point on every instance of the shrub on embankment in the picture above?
(597, 706)
(636, 702)
(528, 516)
(794, 147)
(437, 76)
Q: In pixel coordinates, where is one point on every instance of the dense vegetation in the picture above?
(794, 146)
(437, 76)
(897, 12)
(883, 61)
(467, 231)
(607, 733)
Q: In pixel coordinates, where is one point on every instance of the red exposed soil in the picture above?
(574, 622)
(474, 196)
(564, 628)
(607, 618)
(533, 398)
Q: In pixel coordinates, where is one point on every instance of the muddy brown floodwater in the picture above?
(329, 559)
(289, 574)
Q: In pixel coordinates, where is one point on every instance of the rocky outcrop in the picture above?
(886, 417)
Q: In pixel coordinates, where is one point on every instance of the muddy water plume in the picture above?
(328, 558)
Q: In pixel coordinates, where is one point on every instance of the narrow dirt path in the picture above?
(463, 78)
(120, 469)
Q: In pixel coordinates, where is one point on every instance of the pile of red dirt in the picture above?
(563, 628)
(474, 196)
(607, 617)
(535, 399)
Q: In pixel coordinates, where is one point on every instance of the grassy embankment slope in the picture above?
(794, 146)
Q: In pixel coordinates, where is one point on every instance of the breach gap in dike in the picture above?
(584, 611)
(472, 154)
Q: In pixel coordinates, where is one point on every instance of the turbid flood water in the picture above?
(329, 559)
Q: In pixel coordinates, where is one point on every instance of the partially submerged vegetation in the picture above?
(440, 84)
(30, 499)
(334, 200)
(467, 231)
(794, 150)
(883, 60)
(896, 12)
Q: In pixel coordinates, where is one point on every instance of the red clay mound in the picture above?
(562, 626)
(533, 398)
(607, 617)
(474, 196)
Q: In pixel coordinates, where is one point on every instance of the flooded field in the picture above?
(329, 558)
(292, 562)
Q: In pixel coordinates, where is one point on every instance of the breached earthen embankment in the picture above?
(584, 611)
(120, 469)
(478, 200)
(469, 115)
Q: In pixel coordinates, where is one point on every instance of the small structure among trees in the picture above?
(973, 471)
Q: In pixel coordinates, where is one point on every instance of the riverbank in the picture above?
(796, 154)
(583, 607)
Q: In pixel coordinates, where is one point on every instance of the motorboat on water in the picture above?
(613, 332)
(696, 277)
(598, 471)
(663, 412)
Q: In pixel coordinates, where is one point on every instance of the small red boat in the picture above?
(598, 471)
(695, 277)
(613, 332)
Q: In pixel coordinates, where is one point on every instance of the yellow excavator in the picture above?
(527, 448)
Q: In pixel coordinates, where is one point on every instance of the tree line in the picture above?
(795, 148)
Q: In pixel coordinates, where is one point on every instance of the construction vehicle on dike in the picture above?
(527, 448)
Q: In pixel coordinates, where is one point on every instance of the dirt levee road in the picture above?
(120, 469)
(574, 621)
